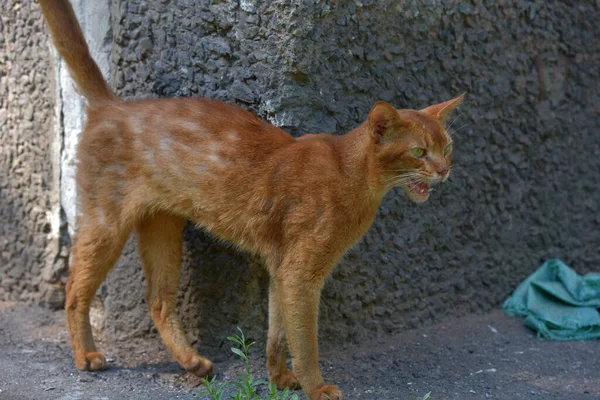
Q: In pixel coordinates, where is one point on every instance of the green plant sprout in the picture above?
(424, 397)
(245, 385)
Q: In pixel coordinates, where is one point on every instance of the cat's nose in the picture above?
(443, 172)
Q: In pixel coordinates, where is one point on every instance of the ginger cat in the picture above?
(299, 203)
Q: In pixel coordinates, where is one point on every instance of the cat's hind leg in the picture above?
(97, 247)
(160, 241)
(277, 347)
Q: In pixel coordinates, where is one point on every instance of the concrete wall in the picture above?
(526, 181)
(32, 260)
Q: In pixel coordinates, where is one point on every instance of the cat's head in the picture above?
(413, 148)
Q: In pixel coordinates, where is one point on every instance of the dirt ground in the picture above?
(477, 357)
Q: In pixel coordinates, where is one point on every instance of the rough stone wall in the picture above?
(525, 186)
(29, 206)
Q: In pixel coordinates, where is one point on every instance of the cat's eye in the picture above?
(417, 152)
(448, 150)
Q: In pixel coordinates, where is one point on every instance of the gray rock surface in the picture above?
(29, 206)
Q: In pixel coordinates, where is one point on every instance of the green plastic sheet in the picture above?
(558, 303)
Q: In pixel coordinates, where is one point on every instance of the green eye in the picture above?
(448, 150)
(417, 152)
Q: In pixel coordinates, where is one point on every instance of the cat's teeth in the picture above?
(422, 188)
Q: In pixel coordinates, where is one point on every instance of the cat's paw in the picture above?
(93, 361)
(287, 380)
(326, 392)
(200, 366)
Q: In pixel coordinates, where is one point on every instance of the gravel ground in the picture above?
(477, 357)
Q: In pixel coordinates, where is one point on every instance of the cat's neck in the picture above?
(358, 154)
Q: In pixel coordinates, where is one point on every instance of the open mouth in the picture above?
(420, 188)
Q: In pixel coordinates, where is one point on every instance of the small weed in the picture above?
(213, 389)
(285, 395)
(424, 397)
(245, 385)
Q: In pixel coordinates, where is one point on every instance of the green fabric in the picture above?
(558, 303)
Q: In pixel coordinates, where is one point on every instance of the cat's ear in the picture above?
(443, 110)
(384, 121)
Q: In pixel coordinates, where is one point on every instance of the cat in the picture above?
(299, 203)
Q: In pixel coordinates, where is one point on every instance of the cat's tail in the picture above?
(70, 43)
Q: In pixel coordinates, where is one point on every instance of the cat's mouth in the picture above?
(421, 188)
(418, 190)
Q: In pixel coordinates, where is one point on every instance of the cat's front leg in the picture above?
(299, 294)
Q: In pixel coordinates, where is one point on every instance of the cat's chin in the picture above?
(418, 198)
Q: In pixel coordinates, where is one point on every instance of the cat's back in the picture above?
(167, 130)
(181, 117)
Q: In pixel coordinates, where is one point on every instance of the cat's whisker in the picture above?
(413, 187)
(454, 120)
(407, 175)
(396, 184)
(407, 171)
(401, 181)
(456, 130)
(459, 171)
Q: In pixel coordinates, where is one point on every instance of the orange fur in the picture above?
(299, 203)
